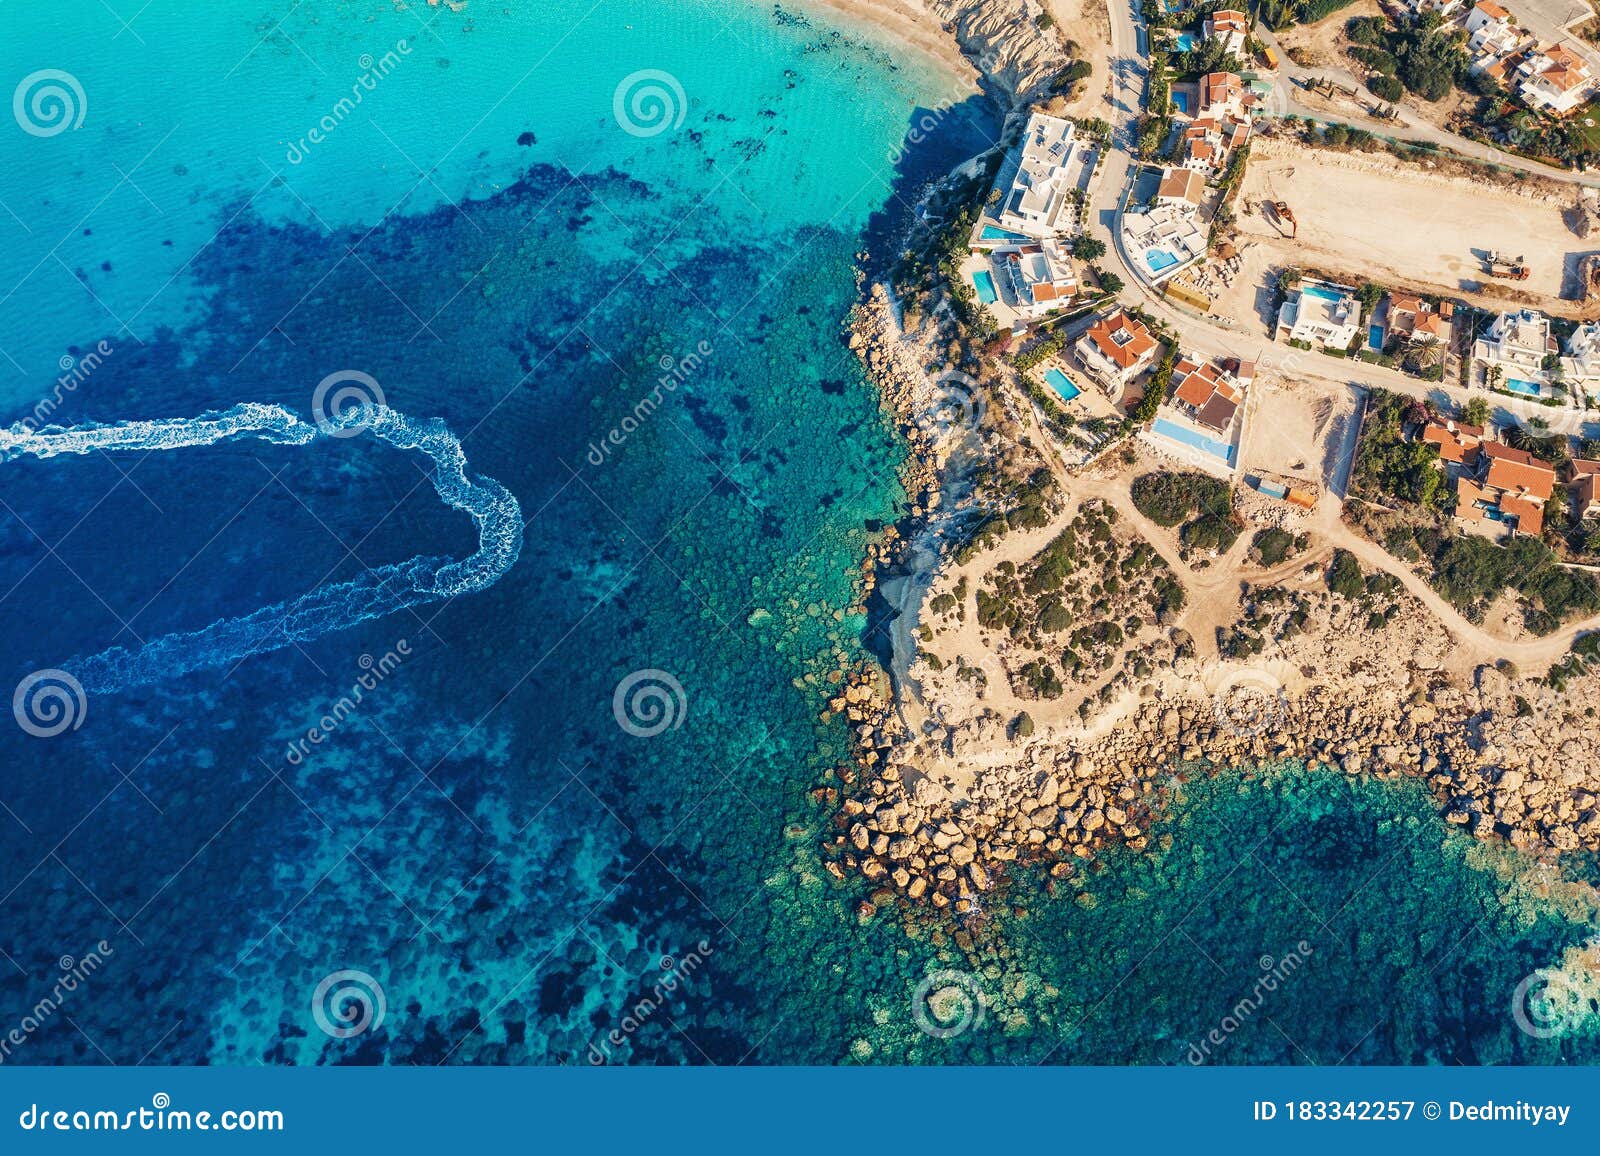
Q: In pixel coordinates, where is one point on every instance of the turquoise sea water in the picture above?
(564, 818)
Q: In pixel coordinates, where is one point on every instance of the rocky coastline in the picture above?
(1500, 765)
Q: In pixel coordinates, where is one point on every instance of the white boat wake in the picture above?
(379, 591)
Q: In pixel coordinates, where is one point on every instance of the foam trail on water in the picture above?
(377, 592)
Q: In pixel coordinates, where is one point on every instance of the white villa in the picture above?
(1183, 187)
(1556, 80)
(1039, 201)
(1229, 26)
(1490, 30)
(1222, 95)
(1320, 313)
(1582, 362)
(1517, 342)
(1018, 257)
(1164, 238)
(1442, 7)
(1040, 278)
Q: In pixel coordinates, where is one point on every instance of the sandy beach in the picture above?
(906, 22)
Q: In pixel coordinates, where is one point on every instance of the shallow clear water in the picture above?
(477, 803)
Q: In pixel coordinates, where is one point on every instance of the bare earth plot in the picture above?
(1087, 24)
(1369, 216)
(1296, 427)
(1320, 45)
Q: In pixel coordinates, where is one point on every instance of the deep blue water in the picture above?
(565, 817)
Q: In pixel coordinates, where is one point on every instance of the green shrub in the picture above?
(1345, 577)
(1386, 87)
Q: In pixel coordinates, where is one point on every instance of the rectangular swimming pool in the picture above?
(984, 284)
(1222, 451)
(1375, 337)
(1320, 292)
(1525, 388)
(1181, 99)
(996, 233)
(1062, 384)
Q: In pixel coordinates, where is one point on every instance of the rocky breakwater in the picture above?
(942, 816)
(921, 409)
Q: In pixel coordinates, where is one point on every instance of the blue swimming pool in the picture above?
(1186, 41)
(1180, 100)
(1062, 384)
(1222, 451)
(996, 233)
(984, 284)
(1320, 292)
(1159, 259)
(1375, 337)
(1525, 388)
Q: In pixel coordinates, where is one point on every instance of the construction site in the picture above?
(1371, 216)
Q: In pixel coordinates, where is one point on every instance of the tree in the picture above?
(1476, 411)
(1386, 87)
(1344, 575)
(1088, 248)
(1109, 281)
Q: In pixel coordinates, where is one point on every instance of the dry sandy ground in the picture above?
(1292, 424)
(1370, 216)
(1320, 45)
(1087, 24)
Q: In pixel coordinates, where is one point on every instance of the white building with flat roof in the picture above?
(1581, 365)
(1320, 313)
(1039, 201)
(1518, 341)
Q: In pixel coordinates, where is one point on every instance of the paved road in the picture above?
(1409, 126)
(1209, 336)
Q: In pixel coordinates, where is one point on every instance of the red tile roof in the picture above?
(1456, 444)
(1121, 338)
(1529, 515)
(1517, 471)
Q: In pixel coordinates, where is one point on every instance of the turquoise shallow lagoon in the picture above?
(476, 833)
